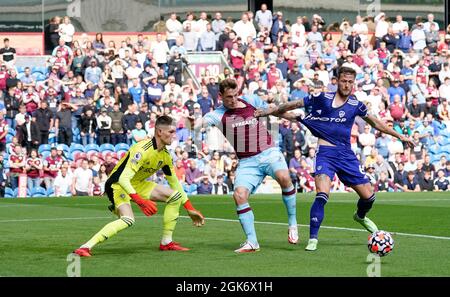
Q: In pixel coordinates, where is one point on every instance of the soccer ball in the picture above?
(381, 243)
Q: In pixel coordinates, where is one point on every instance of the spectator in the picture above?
(174, 29)
(441, 183)
(17, 162)
(205, 186)
(220, 188)
(264, 18)
(411, 184)
(244, 28)
(384, 184)
(28, 134)
(104, 122)
(52, 164)
(93, 73)
(63, 183)
(66, 31)
(82, 180)
(400, 176)
(7, 54)
(3, 132)
(208, 39)
(63, 123)
(88, 125)
(34, 167)
(138, 133)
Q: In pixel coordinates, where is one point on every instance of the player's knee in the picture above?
(240, 196)
(285, 181)
(128, 220)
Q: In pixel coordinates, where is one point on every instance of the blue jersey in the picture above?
(329, 123)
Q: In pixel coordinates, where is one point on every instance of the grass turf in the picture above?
(37, 235)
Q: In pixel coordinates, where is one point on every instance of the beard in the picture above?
(343, 93)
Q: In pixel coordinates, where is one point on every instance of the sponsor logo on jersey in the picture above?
(325, 119)
(252, 122)
(353, 102)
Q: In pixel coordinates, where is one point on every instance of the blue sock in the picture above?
(247, 220)
(290, 202)
(316, 214)
(364, 205)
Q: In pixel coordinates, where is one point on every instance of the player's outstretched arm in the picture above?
(281, 110)
(381, 126)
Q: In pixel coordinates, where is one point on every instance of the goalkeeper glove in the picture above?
(148, 207)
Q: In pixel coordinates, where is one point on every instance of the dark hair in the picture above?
(6, 39)
(227, 84)
(164, 121)
(346, 70)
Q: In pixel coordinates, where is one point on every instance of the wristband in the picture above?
(188, 205)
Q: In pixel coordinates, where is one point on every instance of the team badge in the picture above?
(341, 114)
(122, 195)
(319, 167)
(137, 156)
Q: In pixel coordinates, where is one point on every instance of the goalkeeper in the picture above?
(129, 181)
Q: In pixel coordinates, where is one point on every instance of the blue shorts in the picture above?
(251, 171)
(331, 160)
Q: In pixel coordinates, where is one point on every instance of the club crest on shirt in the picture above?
(136, 158)
(341, 114)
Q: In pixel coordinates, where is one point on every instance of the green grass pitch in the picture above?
(37, 235)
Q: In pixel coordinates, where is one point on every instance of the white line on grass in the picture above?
(225, 220)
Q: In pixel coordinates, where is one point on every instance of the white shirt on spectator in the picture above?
(419, 39)
(399, 27)
(160, 51)
(83, 178)
(62, 185)
(67, 32)
(174, 28)
(244, 30)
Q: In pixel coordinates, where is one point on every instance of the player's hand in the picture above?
(197, 218)
(148, 207)
(407, 140)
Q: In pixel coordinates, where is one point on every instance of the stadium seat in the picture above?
(9, 193)
(16, 193)
(45, 154)
(20, 75)
(39, 69)
(91, 147)
(120, 154)
(76, 147)
(79, 155)
(446, 149)
(38, 192)
(20, 69)
(44, 147)
(92, 153)
(108, 153)
(434, 149)
(40, 77)
(121, 147)
(107, 147)
(50, 192)
(12, 132)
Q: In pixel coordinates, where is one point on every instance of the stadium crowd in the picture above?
(67, 124)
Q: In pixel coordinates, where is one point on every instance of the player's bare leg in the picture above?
(317, 212)
(289, 199)
(365, 202)
(126, 219)
(174, 200)
(247, 220)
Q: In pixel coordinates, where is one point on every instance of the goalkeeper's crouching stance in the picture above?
(129, 182)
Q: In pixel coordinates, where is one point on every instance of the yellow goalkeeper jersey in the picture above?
(141, 162)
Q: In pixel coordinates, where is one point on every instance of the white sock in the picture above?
(166, 239)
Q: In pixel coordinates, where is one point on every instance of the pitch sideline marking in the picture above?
(228, 220)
